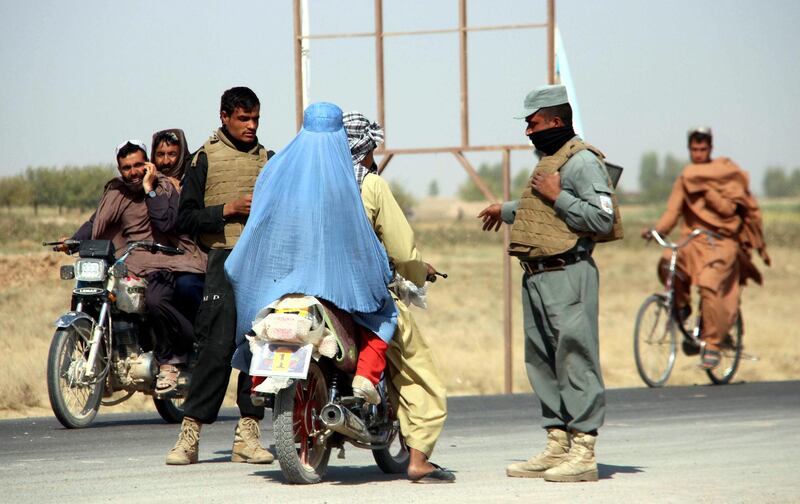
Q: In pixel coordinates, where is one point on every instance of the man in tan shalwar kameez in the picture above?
(713, 194)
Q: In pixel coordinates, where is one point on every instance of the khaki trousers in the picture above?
(416, 390)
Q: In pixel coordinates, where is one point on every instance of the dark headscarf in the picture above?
(175, 172)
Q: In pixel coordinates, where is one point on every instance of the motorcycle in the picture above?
(306, 351)
(101, 347)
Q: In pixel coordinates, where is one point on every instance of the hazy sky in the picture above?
(80, 77)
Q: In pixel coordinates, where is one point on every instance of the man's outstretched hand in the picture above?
(491, 217)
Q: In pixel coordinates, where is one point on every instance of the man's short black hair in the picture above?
(129, 149)
(699, 137)
(238, 97)
(168, 137)
(564, 111)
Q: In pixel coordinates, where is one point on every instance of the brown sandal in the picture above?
(167, 379)
(710, 359)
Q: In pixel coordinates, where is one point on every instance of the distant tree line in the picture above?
(78, 187)
(656, 177)
(779, 182)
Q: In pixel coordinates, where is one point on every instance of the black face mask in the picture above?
(240, 146)
(550, 140)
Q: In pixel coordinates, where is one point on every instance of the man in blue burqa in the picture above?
(308, 234)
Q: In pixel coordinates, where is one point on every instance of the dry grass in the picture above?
(464, 320)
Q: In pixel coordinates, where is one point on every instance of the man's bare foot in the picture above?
(420, 470)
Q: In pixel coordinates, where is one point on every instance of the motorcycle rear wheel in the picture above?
(303, 459)
(394, 458)
(74, 400)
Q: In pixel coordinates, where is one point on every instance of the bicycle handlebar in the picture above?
(694, 234)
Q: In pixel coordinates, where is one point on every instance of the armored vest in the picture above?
(231, 175)
(538, 231)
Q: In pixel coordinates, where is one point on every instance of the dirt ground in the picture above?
(463, 322)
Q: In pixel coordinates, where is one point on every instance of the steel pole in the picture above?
(379, 65)
(551, 41)
(507, 312)
(305, 52)
(298, 67)
(462, 25)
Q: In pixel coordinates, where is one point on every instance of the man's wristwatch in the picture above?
(152, 193)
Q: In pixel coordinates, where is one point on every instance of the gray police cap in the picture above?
(545, 96)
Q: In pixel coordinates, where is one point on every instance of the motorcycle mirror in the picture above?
(67, 272)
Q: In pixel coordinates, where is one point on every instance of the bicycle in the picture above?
(654, 339)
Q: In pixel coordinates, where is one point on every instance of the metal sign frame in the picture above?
(300, 40)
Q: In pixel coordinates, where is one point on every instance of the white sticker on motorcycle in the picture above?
(277, 359)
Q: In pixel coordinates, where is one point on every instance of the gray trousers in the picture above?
(561, 345)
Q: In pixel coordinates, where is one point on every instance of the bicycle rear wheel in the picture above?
(730, 354)
(654, 342)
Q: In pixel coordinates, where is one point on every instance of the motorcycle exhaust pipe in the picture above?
(341, 420)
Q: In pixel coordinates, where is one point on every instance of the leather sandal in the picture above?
(710, 359)
(438, 475)
(167, 379)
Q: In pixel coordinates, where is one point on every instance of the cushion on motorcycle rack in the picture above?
(341, 324)
(96, 248)
(288, 327)
(292, 319)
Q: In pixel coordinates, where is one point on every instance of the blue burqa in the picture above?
(308, 234)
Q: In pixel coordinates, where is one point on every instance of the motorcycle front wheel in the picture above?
(74, 398)
(171, 410)
(303, 459)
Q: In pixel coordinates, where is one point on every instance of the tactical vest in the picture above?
(538, 231)
(231, 175)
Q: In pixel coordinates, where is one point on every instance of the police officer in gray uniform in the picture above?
(568, 206)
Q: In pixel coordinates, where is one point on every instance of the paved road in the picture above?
(737, 443)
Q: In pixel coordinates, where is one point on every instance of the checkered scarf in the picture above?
(363, 137)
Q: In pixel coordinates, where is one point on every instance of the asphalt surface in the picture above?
(735, 443)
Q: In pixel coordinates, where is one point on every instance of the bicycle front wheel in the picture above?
(730, 354)
(654, 342)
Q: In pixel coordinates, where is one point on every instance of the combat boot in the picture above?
(247, 443)
(579, 464)
(555, 451)
(188, 445)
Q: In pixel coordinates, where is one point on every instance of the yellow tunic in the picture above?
(393, 229)
(417, 390)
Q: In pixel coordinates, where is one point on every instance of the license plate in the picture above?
(272, 359)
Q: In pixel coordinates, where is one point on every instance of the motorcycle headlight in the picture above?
(90, 270)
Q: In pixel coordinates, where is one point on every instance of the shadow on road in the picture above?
(339, 475)
(102, 422)
(607, 471)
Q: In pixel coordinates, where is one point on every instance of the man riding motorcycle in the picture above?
(142, 204)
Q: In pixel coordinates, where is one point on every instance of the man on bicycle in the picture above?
(712, 194)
